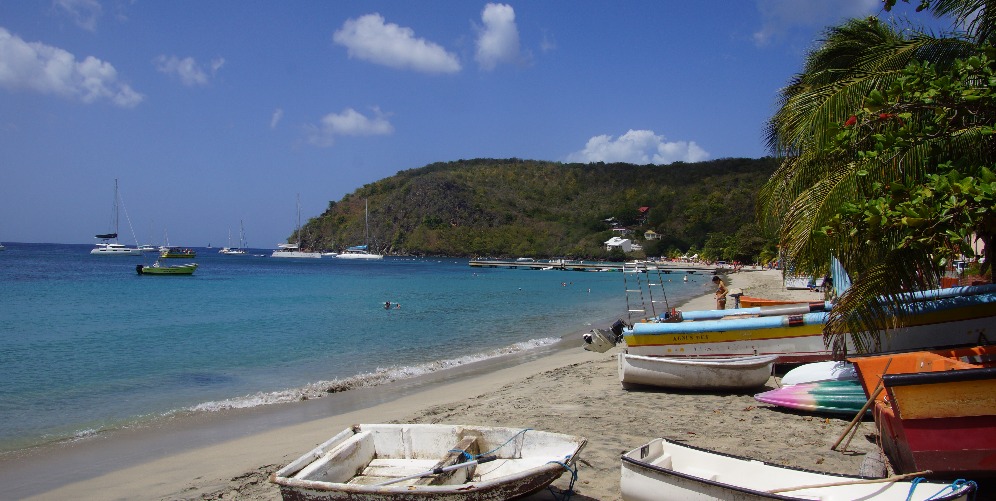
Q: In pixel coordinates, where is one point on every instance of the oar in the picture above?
(437, 471)
(861, 414)
(894, 478)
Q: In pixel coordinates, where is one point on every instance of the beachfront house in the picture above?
(618, 243)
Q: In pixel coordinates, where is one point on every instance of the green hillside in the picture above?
(512, 207)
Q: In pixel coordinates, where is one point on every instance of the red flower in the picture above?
(885, 116)
(851, 121)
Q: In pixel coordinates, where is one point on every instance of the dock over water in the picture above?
(595, 266)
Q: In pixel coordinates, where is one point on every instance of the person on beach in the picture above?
(720, 292)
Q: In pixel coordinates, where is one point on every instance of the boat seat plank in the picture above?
(383, 470)
(700, 473)
(467, 445)
(342, 462)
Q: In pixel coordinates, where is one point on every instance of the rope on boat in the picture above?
(957, 484)
(570, 487)
(492, 451)
(566, 496)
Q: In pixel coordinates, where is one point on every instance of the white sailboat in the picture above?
(108, 245)
(236, 251)
(362, 251)
(294, 250)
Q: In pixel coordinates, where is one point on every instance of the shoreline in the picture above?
(563, 389)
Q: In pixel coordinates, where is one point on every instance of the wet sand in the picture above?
(568, 390)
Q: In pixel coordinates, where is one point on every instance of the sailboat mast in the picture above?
(115, 208)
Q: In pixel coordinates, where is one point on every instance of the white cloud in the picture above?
(779, 16)
(639, 147)
(187, 70)
(275, 118)
(370, 39)
(83, 12)
(348, 123)
(45, 69)
(498, 40)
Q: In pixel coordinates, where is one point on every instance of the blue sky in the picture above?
(211, 113)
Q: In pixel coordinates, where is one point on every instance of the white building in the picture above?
(618, 243)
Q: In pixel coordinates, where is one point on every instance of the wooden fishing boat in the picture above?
(732, 373)
(157, 269)
(429, 462)
(935, 409)
(663, 469)
(822, 397)
(795, 332)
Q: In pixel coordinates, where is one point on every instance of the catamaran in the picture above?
(294, 250)
(108, 245)
(362, 251)
(236, 251)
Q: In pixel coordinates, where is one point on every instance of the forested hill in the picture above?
(512, 207)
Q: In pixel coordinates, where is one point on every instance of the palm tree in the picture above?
(829, 131)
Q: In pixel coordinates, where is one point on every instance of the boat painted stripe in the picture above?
(686, 338)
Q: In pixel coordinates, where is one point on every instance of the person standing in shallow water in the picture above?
(720, 292)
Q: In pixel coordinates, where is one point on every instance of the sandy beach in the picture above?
(569, 391)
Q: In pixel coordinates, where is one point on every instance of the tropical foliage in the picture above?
(887, 146)
(514, 207)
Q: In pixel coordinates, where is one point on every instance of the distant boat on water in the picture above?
(177, 252)
(362, 251)
(294, 250)
(109, 245)
(157, 269)
(236, 251)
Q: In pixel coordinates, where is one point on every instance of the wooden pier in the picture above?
(594, 266)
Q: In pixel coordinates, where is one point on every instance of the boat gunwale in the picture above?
(938, 377)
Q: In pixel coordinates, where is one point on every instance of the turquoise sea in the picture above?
(88, 346)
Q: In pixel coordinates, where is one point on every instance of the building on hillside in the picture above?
(644, 212)
(619, 230)
(618, 243)
(651, 235)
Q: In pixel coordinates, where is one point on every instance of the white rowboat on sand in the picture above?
(662, 470)
(730, 373)
(429, 462)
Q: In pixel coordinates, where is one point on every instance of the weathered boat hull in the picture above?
(949, 316)
(352, 464)
(938, 408)
(735, 373)
(824, 397)
(665, 470)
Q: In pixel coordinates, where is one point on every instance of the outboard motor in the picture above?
(617, 329)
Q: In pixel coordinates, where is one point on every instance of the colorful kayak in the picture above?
(827, 397)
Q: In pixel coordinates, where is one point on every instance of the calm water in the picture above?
(87, 345)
